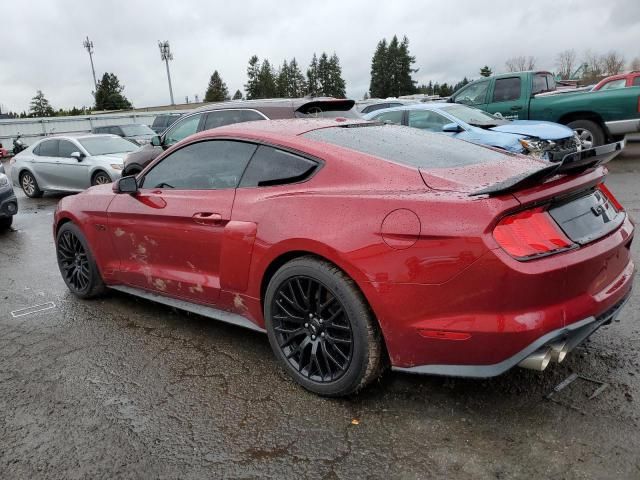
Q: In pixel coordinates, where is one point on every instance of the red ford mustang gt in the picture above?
(356, 246)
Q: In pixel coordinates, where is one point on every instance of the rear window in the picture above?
(636, 82)
(406, 145)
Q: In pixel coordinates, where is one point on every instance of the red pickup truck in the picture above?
(623, 80)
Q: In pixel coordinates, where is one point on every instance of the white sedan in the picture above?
(69, 164)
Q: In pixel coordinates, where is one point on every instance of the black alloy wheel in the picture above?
(321, 328)
(76, 263)
(312, 329)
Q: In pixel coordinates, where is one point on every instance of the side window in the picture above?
(427, 120)
(613, 84)
(508, 89)
(270, 166)
(182, 129)
(66, 148)
(36, 150)
(391, 117)
(636, 82)
(539, 83)
(228, 117)
(49, 148)
(208, 165)
(474, 94)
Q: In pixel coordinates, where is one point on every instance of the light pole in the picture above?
(166, 55)
(88, 44)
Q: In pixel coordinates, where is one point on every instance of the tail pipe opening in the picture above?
(538, 360)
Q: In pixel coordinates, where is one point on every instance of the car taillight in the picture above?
(612, 199)
(529, 234)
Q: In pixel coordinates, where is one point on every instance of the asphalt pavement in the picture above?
(123, 388)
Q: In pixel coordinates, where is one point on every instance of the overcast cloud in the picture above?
(41, 40)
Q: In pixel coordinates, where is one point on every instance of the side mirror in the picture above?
(452, 128)
(156, 141)
(78, 156)
(126, 185)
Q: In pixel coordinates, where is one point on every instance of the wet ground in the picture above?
(121, 387)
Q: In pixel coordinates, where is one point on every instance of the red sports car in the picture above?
(357, 245)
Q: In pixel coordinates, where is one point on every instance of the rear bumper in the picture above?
(573, 334)
(498, 309)
(622, 127)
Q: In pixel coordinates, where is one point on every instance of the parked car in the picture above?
(597, 117)
(216, 115)
(631, 79)
(368, 106)
(69, 164)
(163, 121)
(356, 245)
(547, 140)
(8, 201)
(138, 133)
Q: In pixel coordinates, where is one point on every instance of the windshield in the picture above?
(473, 116)
(107, 145)
(133, 130)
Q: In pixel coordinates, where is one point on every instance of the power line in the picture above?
(166, 55)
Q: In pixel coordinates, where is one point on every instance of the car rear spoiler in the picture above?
(572, 163)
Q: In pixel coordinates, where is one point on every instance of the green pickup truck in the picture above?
(598, 117)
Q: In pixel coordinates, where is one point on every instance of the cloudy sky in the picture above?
(41, 40)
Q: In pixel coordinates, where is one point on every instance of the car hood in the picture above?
(110, 157)
(531, 128)
(471, 178)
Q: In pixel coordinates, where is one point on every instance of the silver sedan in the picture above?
(69, 164)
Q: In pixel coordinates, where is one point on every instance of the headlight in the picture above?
(117, 166)
(577, 140)
(536, 146)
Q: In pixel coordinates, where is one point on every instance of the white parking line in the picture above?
(33, 309)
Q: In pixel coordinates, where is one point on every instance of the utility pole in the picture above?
(88, 44)
(166, 55)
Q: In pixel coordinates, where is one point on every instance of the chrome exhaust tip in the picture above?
(538, 360)
(559, 350)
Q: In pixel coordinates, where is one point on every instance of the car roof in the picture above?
(413, 106)
(78, 136)
(287, 128)
(293, 103)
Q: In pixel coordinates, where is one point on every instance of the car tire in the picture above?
(5, 223)
(100, 178)
(321, 328)
(30, 186)
(588, 131)
(77, 264)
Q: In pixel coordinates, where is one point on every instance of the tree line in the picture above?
(392, 75)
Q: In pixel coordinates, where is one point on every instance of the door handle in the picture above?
(207, 218)
(516, 108)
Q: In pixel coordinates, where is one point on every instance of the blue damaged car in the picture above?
(545, 140)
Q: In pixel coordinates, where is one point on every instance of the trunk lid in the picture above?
(472, 178)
